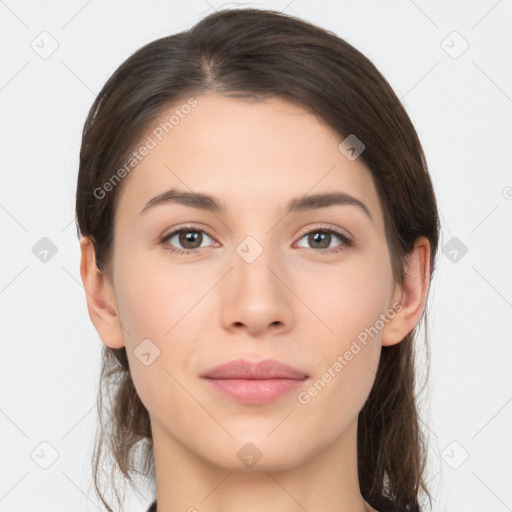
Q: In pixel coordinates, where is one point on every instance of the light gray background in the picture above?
(461, 105)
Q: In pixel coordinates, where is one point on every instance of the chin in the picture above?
(254, 453)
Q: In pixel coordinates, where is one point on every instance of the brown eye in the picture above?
(320, 239)
(186, 239)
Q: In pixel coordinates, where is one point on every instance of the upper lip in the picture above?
(243, 369)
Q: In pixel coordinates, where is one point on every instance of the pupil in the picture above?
(321, 237)
(189, 237)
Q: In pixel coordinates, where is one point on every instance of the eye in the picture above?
(321, 238)
(189, 237)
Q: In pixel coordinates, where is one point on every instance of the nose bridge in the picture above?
(255, 251)
(254, 259)
(257, 297)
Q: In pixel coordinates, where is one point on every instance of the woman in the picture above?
(258, 234)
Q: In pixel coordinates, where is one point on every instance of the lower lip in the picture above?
(255, 391)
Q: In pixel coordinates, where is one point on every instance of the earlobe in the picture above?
(413, 294)
(100, 297)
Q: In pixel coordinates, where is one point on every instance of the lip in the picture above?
(244, 369)
(254, 382)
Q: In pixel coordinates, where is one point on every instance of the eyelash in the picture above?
(347, 242)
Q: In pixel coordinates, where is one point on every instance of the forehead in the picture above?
(247, 153)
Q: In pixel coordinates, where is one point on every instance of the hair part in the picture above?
(254, 54)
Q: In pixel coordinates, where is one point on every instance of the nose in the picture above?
(255, 297)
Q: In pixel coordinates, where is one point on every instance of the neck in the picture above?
(325, 481)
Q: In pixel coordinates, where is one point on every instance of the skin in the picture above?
(293, 303)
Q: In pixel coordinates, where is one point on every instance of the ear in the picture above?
(100, 297)
(411, 296)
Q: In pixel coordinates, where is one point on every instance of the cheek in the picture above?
(153, 297)
(335, 309)
(344, 372)
(158, 306)
(346, 299)
(350, 305)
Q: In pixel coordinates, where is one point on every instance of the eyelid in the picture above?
(302, 233)
(178, 229)
(172, 230)
(347, 240)
(326, 227)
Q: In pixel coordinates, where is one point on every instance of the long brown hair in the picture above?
(254, 54)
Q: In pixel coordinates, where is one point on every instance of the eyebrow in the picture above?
(299, 204)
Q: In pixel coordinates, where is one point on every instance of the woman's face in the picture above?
(259, 282)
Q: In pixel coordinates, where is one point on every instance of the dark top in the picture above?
(382, 505)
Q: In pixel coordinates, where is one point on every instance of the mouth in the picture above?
(254, 383)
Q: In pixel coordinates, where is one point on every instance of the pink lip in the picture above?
(255, 383)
